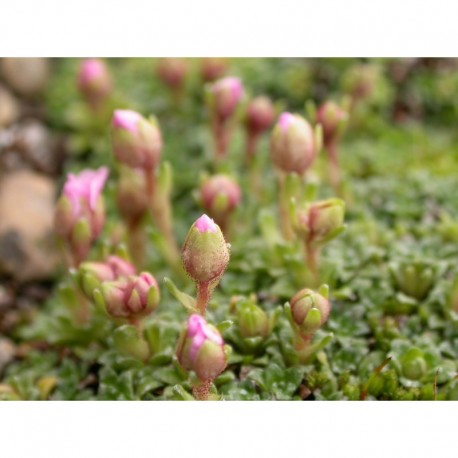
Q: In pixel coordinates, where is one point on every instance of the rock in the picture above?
(9, 108)
(27, 245)
(27, 76)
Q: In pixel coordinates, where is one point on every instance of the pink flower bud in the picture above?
(201, 349)
(331, 117)
(292, 144)
(309, 310)
(172, 72)
(131, 297)
(80, 211)
(224, 96)
(213, 68)
(220, 195)
(319, 220)
(94, 81)
(205, 253)
(92, 274)
(137, 142)
(260, 115)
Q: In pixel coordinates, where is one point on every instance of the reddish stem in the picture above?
(201, 390)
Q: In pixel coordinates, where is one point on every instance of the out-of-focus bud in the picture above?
(332, 118)
(131, 297)
(224, 96)
(172, 72)
(137, 142)
(94, 81)
(205, 253)
(320, 221)
(131, 198)
(413, 364)
(80, 211)
(260, 115)
(414, 278)
(92, 274)
(201, 349)
(220, 195)
(293, 145)
(309, 310)
(360, 81)
(253, 321)
(213, 68)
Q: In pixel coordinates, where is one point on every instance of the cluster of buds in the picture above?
(223, 98)
(172, 72)
(309, 311)
(80, 212)
(94, 82)
(316, 224)
(213, 68)
(294, 144)
(92, 274)
(137, 142)
(201, 349)
(131, 297)
(220, 195)
(205, 257)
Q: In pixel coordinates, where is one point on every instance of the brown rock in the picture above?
(27, 245)
(7, 352)
(27, 76)
(9, 108)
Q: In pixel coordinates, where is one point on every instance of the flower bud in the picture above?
(260, 115)
(137, 142)
(319, 221)
(253, 321)
(213, 68)
(131, 297)
(414, 278)
(201, 349)
(413, 364)
(80, 211)
(309, 310)
(220, 195)
(131, 198)
(205, 253)
(94, 81)
(92, 274)
(331, 117)
(224, 97)
(292, 144)
(360, 81)
(172, 72)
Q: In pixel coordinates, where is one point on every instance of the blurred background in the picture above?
(405, 118)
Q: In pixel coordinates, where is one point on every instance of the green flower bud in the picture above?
(205, 253)
(413, 364)
(253, 320)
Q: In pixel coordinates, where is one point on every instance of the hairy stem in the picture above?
(201, 390)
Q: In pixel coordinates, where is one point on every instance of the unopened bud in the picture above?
(131, 297)
(309, 310)
(224, 96)
(201, 349)
(80, 211)
(260, 115)
(94, 81)
(360, 81)
(137, 142)
(172, 72)
(320, 221)
(205, 253)
(220, 195)
(92, 274)
(253, 320)
(331, 117)
(413, 364)
(213, 68)
(292, 144)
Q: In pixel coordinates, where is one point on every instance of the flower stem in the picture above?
(201, 390)
(204, 291)
(286, 227)
(311, 260)
(334, 168)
